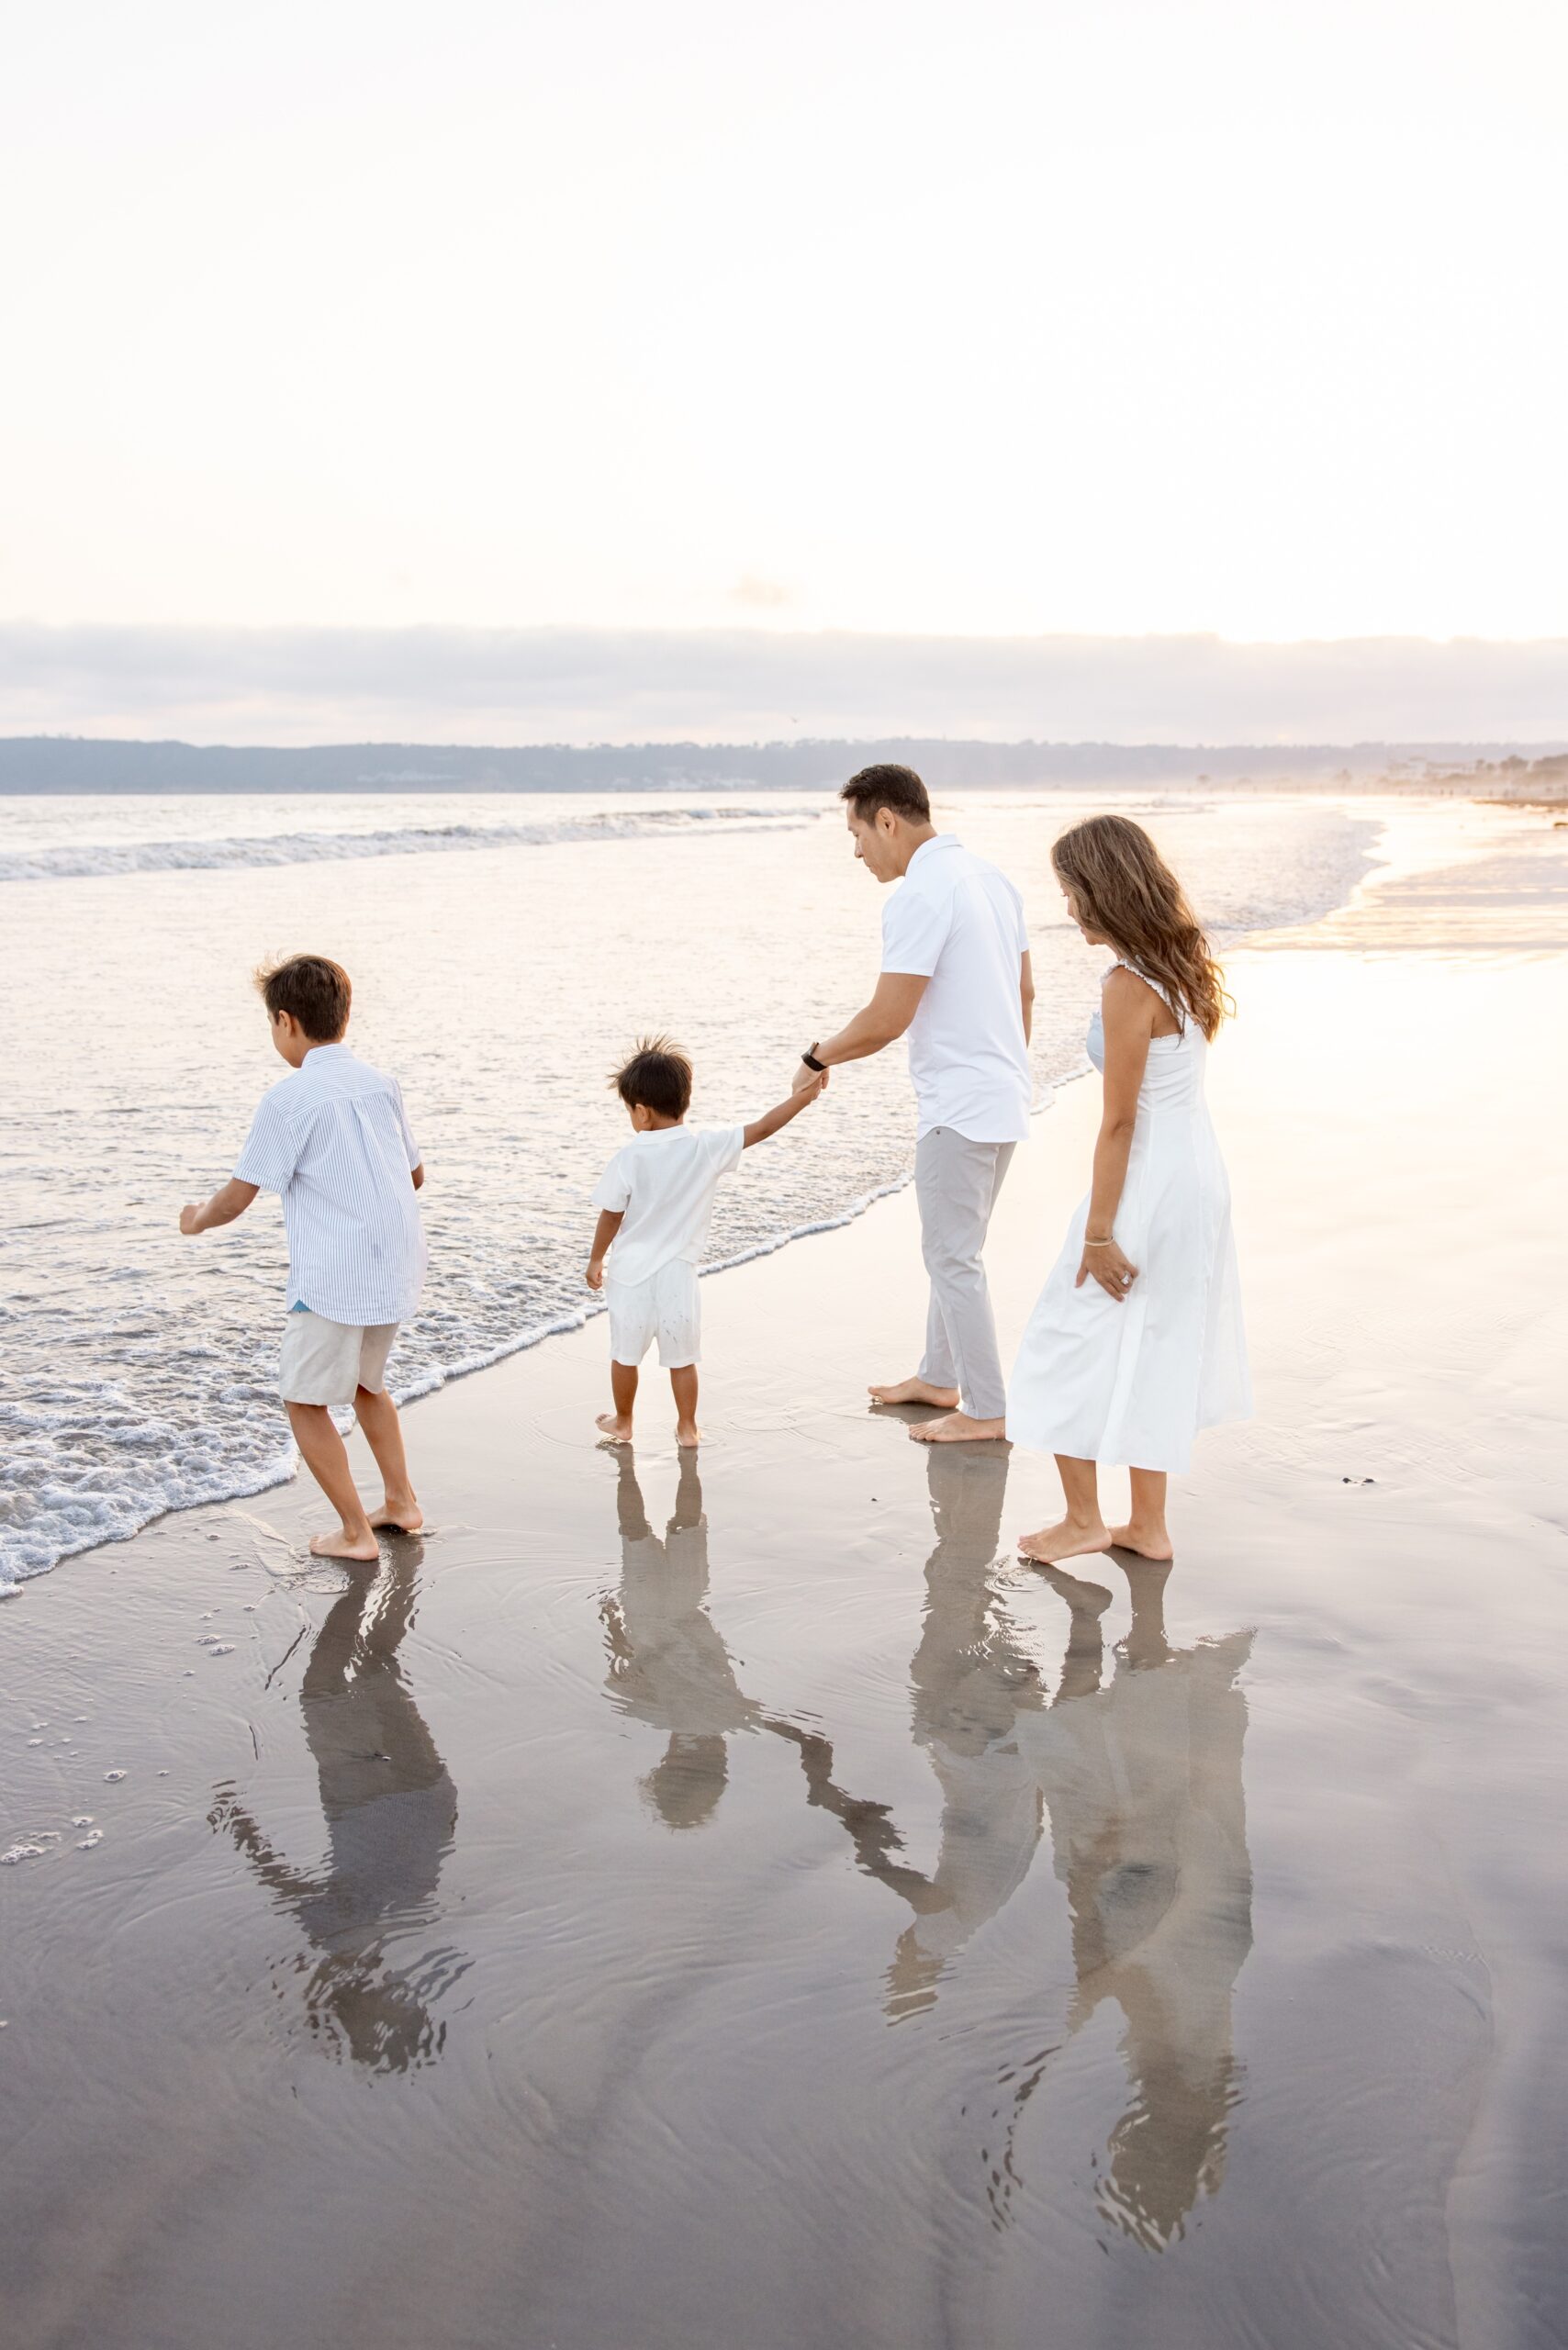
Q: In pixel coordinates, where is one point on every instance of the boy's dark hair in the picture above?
(317, 992)
(899, 788)
(657, 1076)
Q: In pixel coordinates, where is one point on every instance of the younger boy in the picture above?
(333, 1139)
(655, 1198)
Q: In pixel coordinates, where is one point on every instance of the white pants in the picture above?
(957, 1182)
(666, 1307)
(325, 1363)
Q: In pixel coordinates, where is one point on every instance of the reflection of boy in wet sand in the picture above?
(667, 1665)
(390, 1811)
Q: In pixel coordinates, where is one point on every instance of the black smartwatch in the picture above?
(810, 1058)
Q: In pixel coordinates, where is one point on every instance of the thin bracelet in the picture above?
(1099, 1244)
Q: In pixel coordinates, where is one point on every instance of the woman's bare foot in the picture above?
(914, 1391)
(1149, 1542)
(344, 1545)
(616, 1426)
(688, 1435)
(957, 1427)
(404, 1517)
(1070, 1538)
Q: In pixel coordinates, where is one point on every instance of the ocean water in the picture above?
(505, 949)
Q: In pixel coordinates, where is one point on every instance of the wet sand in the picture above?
(735, 1903)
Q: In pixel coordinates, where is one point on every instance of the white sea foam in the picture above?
(96, 859)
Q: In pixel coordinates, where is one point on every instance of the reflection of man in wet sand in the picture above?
(390, 1811)
(971, 1679)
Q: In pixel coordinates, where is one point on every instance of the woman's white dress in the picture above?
(1132, 1381)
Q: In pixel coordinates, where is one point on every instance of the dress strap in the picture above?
(1177, 1014)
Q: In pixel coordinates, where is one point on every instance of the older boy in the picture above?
(333, 1139)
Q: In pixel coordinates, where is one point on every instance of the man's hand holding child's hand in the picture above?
(595, 1273)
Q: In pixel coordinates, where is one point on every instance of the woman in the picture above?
(1136, 1342)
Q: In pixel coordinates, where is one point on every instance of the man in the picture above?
(955, 975)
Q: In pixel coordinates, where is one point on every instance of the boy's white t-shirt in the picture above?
(663, 1182)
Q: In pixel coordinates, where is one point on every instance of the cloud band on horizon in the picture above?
(578, 684)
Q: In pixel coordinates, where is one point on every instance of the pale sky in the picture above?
(1104, 316)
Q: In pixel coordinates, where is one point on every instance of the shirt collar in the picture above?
(926, 848)
(319, 1052)
(657, 1134)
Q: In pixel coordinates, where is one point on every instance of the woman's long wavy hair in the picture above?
(1122, 885)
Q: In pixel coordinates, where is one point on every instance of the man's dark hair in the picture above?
(899, 788)
(657, 1076)
(314, 989)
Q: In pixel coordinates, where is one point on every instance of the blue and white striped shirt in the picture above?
(333, 1138)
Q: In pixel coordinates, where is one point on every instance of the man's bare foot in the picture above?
(403, 1516)
(616, 1426)
(957, 1427)
(688, 1435)
(914, 1391)
(343, 1545)
(1070, 1538)
(1149, 1542)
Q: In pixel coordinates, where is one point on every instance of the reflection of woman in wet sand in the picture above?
(390, 1811)
(1142, 1780)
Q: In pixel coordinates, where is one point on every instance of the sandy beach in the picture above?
(738, 1904)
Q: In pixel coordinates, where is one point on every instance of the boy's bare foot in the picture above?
(688, 1435)
(1149, 1542)
(343, 1545)
(403, 1518)
(957, 1427)
(914, 1391)
(1070, 1538)
(616, 1426)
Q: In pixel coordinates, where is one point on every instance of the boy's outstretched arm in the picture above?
(604, 1232)
(782, 1112)
(230, 1199)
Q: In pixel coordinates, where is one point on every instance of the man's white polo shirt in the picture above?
(957, 922)
(333, 1138)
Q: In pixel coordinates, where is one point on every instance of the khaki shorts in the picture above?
(324, 1362)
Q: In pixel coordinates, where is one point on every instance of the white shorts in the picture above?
(665, 1307)
(324, 1362)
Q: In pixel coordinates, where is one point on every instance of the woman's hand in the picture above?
(1104, 1262)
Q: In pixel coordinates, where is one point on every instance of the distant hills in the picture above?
(48, 763)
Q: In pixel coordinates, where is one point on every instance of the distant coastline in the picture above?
(72, 763)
